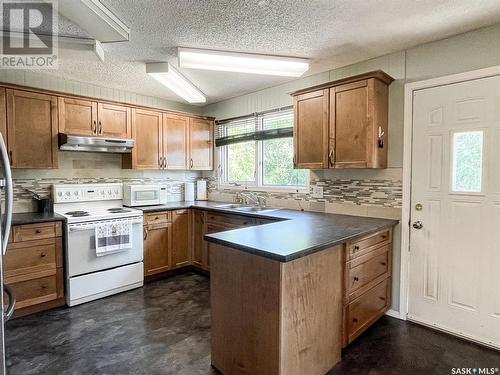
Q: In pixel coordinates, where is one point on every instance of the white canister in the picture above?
(201, 190)
(189, 191)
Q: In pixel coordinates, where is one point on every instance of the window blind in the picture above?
(256, 127)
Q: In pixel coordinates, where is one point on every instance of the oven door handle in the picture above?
(91, 226)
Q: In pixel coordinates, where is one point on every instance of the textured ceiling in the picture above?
(332, 33)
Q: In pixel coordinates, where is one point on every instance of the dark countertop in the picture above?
(294, 235)
(34, 217)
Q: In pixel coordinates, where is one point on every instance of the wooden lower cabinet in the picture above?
(367, 282)
(181, 240)
(33, 267)
(157, 248)
(199, 245)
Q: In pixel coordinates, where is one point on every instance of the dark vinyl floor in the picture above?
(164, 328)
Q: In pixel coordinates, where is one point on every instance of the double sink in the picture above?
(246, 208)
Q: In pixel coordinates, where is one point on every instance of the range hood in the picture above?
(95, 144)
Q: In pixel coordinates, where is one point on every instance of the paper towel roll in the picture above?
(189, 191)
(201, 190)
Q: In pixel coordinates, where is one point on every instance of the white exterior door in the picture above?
(455, 209)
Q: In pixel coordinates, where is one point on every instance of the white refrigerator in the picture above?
(6, 189)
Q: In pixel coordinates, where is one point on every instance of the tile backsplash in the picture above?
(383, 189)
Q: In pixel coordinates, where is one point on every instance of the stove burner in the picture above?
(118, 210)
(77, 213)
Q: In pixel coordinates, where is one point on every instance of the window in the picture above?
(257, 151)
(467, 161)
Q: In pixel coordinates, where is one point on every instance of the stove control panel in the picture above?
(69, 193)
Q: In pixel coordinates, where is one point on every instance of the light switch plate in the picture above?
(317, 192)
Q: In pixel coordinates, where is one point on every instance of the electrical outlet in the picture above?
(317, 192)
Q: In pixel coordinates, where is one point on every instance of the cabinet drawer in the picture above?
(365, 244)
(32, 232)
(362, 274)
(367, 308)
(33, 256)
(229, 220)
(35, 291)
(158, 217)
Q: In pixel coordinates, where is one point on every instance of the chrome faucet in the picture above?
(255, 199)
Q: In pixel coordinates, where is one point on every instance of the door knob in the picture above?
(418, 224)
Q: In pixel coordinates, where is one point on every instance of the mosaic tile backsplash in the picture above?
(43, 186)
(376, 192)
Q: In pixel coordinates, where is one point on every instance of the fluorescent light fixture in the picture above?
(168, 76)
(242, 62)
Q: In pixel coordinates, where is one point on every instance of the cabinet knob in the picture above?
(42, 255)
(383, 263)
(38, 231)
(356, 248)
(382, 298)
(356, 278)
(354, 320)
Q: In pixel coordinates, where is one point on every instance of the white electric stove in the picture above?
(90, 276)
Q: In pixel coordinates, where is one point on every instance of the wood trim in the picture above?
(3, 115)
(73, 96)
(377, 74)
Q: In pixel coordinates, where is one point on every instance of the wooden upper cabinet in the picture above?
(114, 121)
(147, 132)
(77, 116)
(200, 144)
(90, 118)
(175, 141)
(32, 129)
(356, 123)
(311, 130)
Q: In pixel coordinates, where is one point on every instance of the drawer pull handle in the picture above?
(384, 236)
(383, 263)
(354, 320)
(356, 248)
(42, 255)
(38, 231)
(355, 279)
(382, 298)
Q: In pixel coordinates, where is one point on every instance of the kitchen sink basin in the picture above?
(231, 205)
(256, 209)
(241, 207)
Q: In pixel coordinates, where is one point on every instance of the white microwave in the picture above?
(144, 195)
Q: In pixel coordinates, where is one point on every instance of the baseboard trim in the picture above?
(393, 314)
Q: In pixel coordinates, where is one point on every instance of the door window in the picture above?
(467, 162)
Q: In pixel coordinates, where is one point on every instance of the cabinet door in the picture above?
(32, 129)
(175, 141)
(77, 116)
(157, 245)
(311, 130)
(114, 121)
(198, 241)
(147, 132)
(200, 144)
(349, 125)
(180, 238)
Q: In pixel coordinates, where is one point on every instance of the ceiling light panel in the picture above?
(242, 62)
(175, 81)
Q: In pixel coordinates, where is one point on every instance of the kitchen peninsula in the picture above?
(287, 296)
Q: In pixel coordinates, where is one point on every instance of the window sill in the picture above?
(270, 189)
